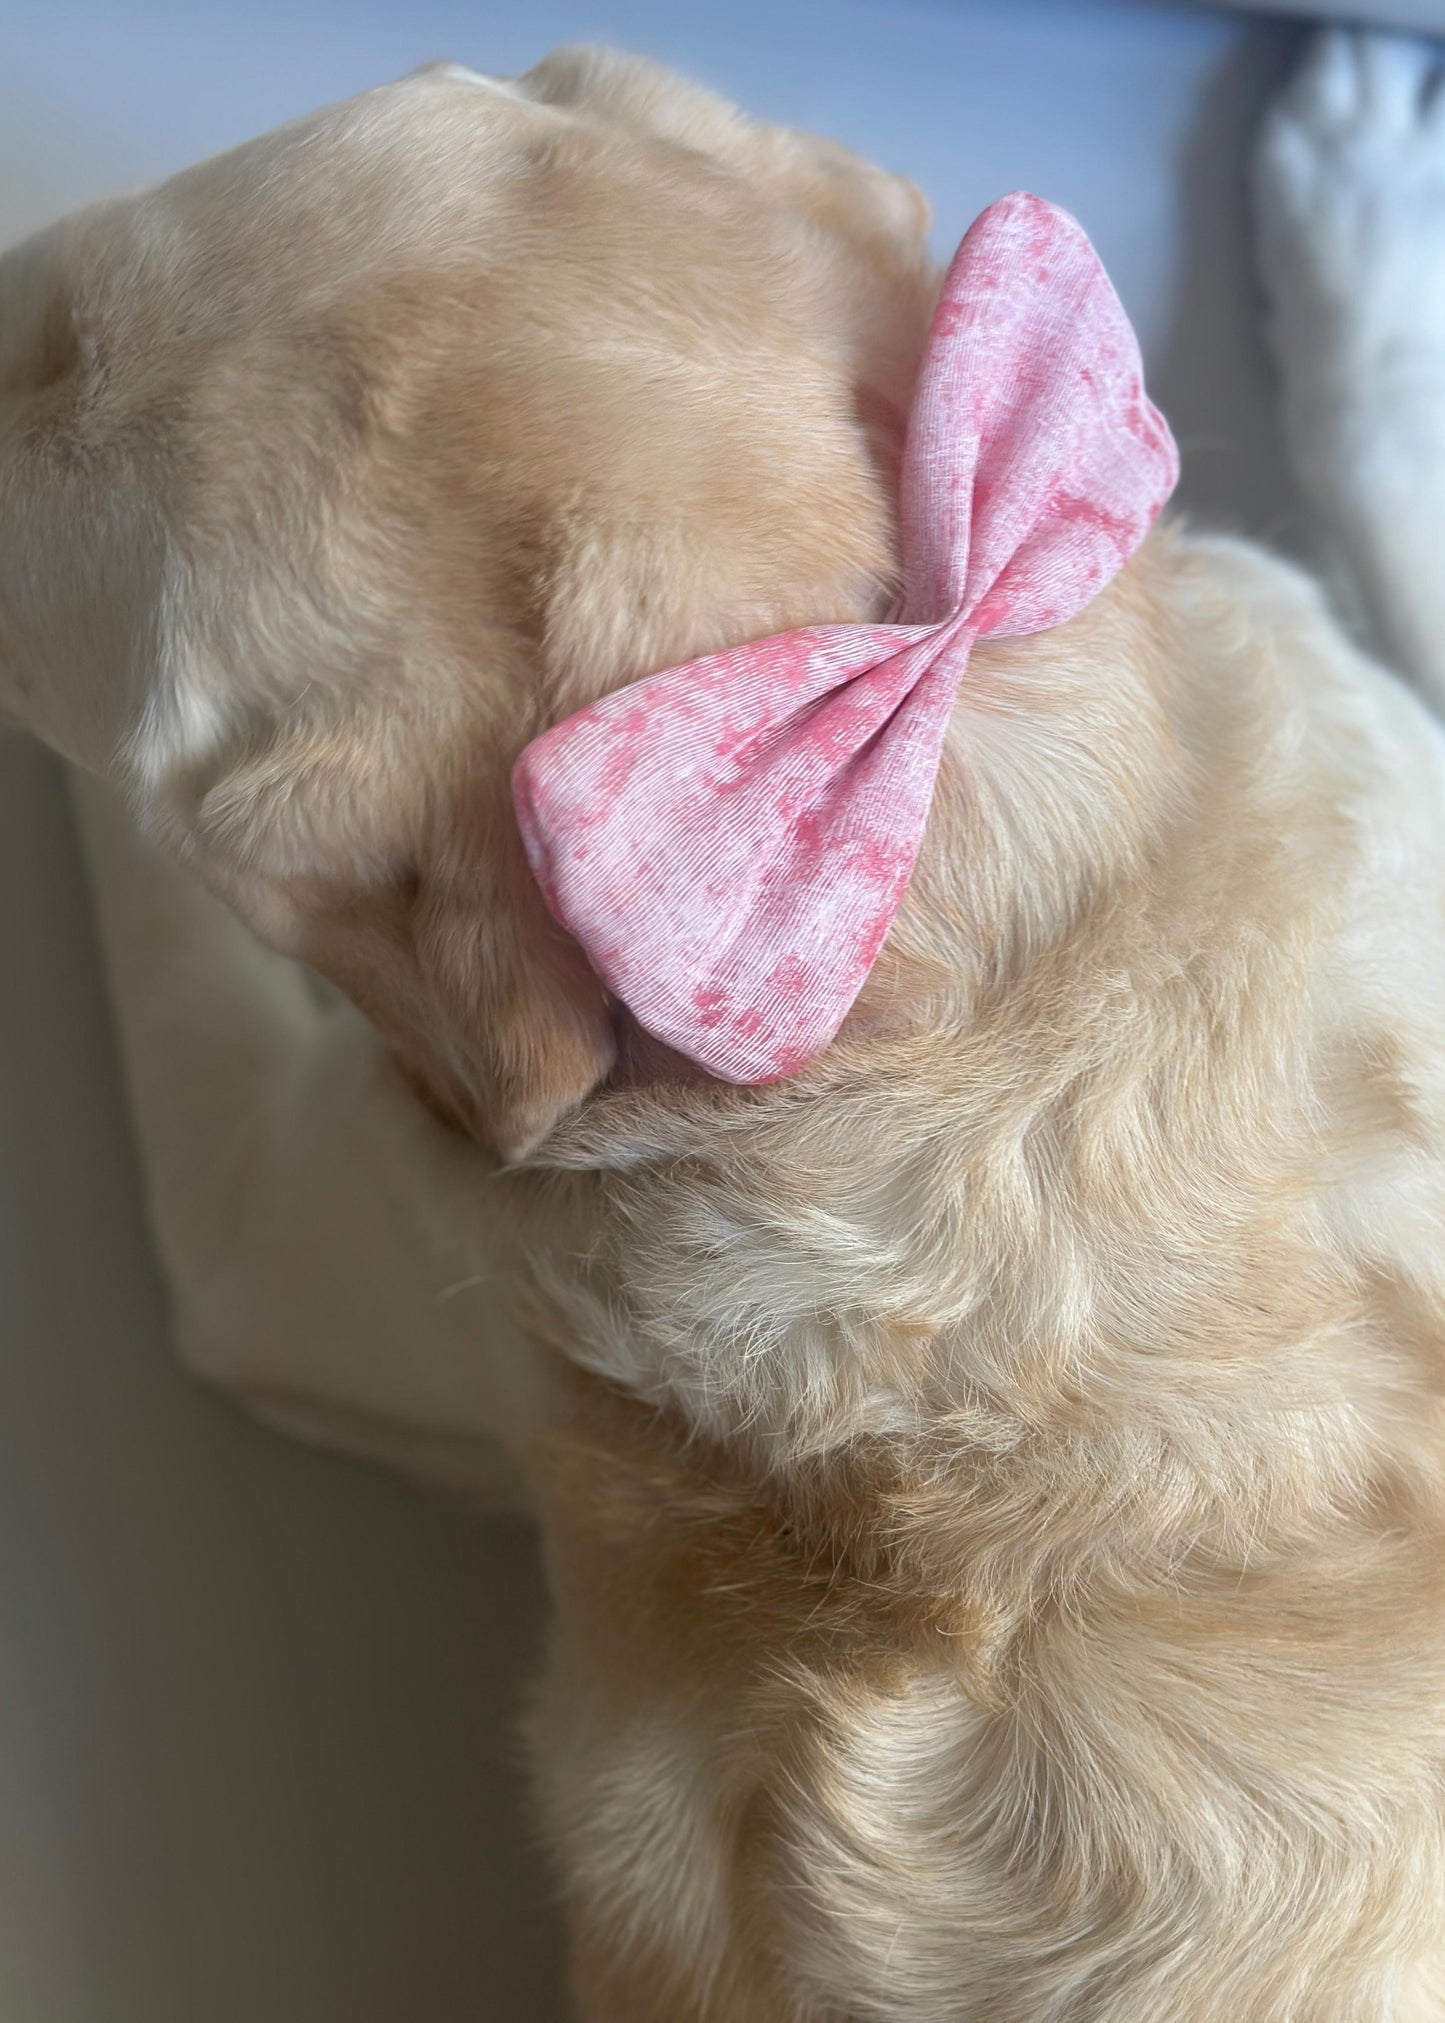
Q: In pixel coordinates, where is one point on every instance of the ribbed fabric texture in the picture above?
(730, 840)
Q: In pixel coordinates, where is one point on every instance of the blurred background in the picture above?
(257, 1706)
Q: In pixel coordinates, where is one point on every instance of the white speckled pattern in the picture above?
(730, 840)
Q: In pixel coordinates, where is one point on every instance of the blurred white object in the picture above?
(1350, 190)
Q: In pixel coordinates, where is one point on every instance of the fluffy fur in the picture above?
(993, 1485)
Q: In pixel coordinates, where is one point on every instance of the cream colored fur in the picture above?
(994, 1485)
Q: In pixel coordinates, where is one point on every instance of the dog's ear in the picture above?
(356, 806)
(528, 1018)
(398, 873)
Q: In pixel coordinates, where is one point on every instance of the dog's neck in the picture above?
(1038, 1229)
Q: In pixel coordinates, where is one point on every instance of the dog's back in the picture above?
(993, 1482)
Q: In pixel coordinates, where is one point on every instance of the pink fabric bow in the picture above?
(730, 840)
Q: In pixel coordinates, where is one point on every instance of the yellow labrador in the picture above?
(993, 1484)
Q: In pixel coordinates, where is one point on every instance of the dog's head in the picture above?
(336, 468)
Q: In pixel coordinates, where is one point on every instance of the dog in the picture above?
(992, 1482)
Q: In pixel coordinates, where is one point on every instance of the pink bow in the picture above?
(730, 840)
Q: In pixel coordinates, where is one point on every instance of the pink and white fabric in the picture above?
(730, 840)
